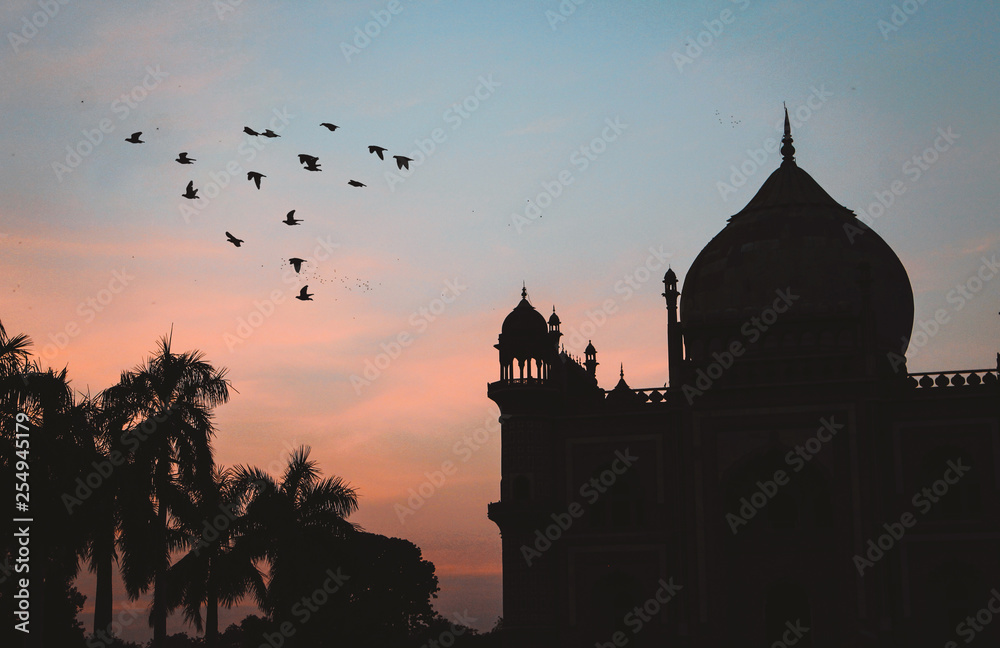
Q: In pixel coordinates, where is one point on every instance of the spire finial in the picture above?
(787, 150)
(524, 291)
(621, 370)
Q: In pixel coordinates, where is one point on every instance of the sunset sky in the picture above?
(570, 146)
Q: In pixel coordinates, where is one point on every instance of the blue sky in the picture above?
(694, 91)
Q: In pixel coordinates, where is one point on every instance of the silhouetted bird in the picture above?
(311, 162)
(332, 127)
(253, 175)
(135, 138)
(402, 162)
(184, 159)
(378, 150)
(290, 219)
(270, 133)
(303, 295)
(250, 131)
(296, 263)
(232, 239)
(191, 192)
(355, 183)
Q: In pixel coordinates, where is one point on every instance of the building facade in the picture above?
(793, 485)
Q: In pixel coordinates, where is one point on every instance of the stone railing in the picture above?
(953, 378)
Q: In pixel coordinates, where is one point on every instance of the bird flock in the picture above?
(309, 163)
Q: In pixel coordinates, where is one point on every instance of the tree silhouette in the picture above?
(293, 523)
(218, 567)
(167, 404)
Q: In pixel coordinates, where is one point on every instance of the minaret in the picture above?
(675, 350)
(590, 354)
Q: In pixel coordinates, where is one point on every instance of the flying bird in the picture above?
(402, 162)
(232, 239)
(184, 159)
(296, 263)
(191, 192)
(290, 219)
(332, 127)
(250, 131)
(355, 183)
(253, 175)
(270, 133)
(303, 295)
(377, 150)
(135, 138)
(311, 162)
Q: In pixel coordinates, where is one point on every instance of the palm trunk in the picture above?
(211, 616)
(103, 596)
(159, 612)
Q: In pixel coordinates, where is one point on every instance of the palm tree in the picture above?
(293, 524)
(218, 566)
(59, 435)
(166, 404)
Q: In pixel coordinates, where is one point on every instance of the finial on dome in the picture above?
(621, 371)
(787, 150)
(524, 291)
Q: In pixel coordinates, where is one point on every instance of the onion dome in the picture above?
(793, 248)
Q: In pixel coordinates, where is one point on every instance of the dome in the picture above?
(524, 320)
(793, 238)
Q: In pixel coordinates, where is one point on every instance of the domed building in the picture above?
(793, 485)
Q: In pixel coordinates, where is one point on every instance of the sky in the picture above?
(579, 147)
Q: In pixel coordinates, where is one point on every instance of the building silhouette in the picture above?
(793, 485)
